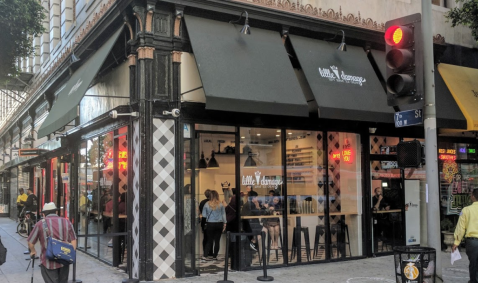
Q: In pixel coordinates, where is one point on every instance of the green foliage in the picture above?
(21, 20)
(447, 225)
(466, 16)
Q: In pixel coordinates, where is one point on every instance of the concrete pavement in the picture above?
(89, 270)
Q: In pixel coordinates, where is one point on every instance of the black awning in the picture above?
(344, 84)
(245, 73)
(64, 110)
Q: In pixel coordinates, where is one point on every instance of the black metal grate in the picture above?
(409, 154)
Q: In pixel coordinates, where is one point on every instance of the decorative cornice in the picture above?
(132, 60)
(439, 39)
(176, 56)
(319, 13)
(145, 53)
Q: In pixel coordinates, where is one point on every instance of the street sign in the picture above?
(408, 118)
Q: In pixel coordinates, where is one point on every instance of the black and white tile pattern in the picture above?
(135, 157)
(164, 206)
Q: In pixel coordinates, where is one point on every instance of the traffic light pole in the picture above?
(430, 127)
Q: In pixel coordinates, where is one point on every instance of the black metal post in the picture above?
(130, 266)
(74, 280)
(264, 260)
(226, 260)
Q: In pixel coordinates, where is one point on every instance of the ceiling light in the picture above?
(212, 164)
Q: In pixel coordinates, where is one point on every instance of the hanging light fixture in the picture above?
(246, 29)
(202, 162)
(342, 46)
(212, 164)
(250, 162)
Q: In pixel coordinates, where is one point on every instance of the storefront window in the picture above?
(458, 164)
(345, 194)
(100, 207)
(263, 202)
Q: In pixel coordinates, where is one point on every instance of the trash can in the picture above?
(415, 264)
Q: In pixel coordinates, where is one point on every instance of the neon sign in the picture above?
(347, 155)
(336, 155)
(447, 151)
(471, 150)
(122, 160)
(447, 157)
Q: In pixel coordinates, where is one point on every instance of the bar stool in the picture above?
(319, 231)
(343, 238)
(295, 239)
(269, 240)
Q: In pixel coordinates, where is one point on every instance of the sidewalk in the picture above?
(89, 270)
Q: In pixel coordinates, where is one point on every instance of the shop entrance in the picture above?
(214, 175)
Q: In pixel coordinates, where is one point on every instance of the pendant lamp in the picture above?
(250, 163)
(212, 164)
(202, 162)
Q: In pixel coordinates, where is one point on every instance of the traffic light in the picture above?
(404, 60)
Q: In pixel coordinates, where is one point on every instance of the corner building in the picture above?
(169, 99)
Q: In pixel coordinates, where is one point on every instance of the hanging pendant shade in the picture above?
(212, 164)
(250, 162)
(202, 162)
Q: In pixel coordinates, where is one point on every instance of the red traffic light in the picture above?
(398, 36)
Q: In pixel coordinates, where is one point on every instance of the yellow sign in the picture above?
(410, 271)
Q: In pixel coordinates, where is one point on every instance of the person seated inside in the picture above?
(273, 224)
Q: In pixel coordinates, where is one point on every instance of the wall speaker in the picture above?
(409, 154)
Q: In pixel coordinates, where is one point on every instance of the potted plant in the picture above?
(448, 229)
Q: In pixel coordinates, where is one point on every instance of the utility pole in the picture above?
(430, 127)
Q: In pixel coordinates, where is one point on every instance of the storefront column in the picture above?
(142, 186)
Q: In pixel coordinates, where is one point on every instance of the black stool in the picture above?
(343, 238)
(269, 240)
(319, 231)
(295, 239)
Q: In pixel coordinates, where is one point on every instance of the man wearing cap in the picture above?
(60, 228)
(468, 222)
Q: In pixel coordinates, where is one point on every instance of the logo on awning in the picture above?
(332, 73)
(76, 86)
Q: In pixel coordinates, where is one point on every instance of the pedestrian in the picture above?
(207, 194)
(468, 222)
(60, 228)
(216, 222)
(21, 199)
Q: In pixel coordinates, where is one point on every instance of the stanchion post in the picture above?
(226, 260)
(264, 260)
(74, 280)
(130, 266)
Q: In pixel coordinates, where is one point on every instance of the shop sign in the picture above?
(122, 160)
(332, 74)
(259, 180)
(65, 177)
(31, 151)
